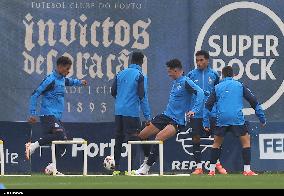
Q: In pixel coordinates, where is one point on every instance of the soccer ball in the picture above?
(109, 163)
(49, 169)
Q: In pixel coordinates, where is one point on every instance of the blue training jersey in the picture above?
(180, 101)
(130, 92)
(228, 96)
(52, 90)
(206, 79)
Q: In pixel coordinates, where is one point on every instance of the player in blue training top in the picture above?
(228, 96)
(172, 120)
(130, 92)
(52, 90)
(206, 78)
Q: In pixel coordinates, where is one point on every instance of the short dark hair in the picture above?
(63, 61)
(202, 53)
(137, 58)
(174, 63)
(227, 71)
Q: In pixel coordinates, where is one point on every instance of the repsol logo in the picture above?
(189, 165)
(234, 37)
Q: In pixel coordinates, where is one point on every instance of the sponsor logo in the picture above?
(271, 146)
(186, 141)
(93, 149)
(249, 50)
(189, 165)
(210, 81)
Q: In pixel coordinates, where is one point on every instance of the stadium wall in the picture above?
(99, 37)
(267, 149)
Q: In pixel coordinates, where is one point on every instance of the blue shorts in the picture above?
(237, 130)
(161, 121)
(197, 127)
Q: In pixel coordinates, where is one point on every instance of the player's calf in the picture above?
(30, 148)
(27, 151)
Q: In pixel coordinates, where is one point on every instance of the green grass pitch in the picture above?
(234, 181)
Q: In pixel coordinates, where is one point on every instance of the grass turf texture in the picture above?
(235, 181)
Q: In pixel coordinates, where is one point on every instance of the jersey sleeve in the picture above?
(145, 106)
(72, 82)
(192, 88)
(208, 107)
(44, 86)
(249, 96)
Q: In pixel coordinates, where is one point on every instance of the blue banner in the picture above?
(15, 135)
(267, 149)
(99, 36)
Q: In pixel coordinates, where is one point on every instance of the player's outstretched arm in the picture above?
(75, 82)
(192, 88)
(143, 95)
(249, 96)
(207, 109)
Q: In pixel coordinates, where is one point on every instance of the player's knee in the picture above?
(246, 143)
(142, 136)
(245, 140)
(160, 137)
(217, 144)
(196, 139)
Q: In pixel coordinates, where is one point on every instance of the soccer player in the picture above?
(228, 96)
(206, 78)
(130, 92)
(52, 90)
(172, 120)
